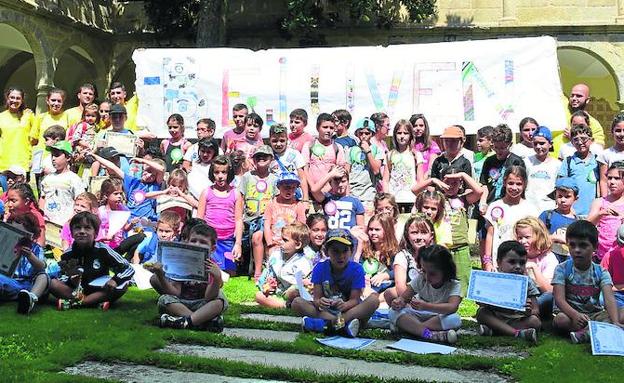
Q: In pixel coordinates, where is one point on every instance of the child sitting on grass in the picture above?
(86, 261)
(277, 282)
(512, 258)
(193, 304)
(613, 262)
(578, 283)
(428, 308)
(29, 280)
(338, 285)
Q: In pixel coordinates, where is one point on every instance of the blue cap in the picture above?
(339, 235)
(543, 131)
(365, 123)
(567, 183)
(288, 177)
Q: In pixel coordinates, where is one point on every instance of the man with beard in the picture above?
(578, 100)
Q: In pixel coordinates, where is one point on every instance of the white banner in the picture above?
(472, 83)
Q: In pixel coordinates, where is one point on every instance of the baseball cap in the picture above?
(566, 183)
(17, 170)
(452, 132)
(340, 236)
(288, 177)
(63, 146)
(118, 109)
(543, 131)
(365, 123)
(108, 152)
(264, 149)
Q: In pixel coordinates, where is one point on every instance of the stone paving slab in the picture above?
(149, 374)
(255, 334)
(273, 318)
(335, 366)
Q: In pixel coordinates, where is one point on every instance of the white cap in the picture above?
(17, 170)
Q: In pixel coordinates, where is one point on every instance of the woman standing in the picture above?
(18, 134)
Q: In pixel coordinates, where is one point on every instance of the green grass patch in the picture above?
(36, 348)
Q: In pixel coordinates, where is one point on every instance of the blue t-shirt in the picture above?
(345, 141)
(147, 249)
(352, 277)
(586, 175)
(557, 221)
(24, 269)
(145, 208)
(341, 211)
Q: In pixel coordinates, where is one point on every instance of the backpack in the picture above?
(548, 218)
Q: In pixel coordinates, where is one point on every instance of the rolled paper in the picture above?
(261, 186)
(330, 208)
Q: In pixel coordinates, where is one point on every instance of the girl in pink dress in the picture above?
(607, 212)
(423, 142)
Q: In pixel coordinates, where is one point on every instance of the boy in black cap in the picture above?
(338, 285)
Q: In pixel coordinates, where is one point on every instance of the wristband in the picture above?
(486, 259)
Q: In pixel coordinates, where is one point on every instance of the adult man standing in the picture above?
(117, 94)
(578, 100)
(86, 94)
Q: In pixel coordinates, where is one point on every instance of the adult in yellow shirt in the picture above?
(18, 134)
(578, 100)
(86, 94)
(117, 94)
(54, 116)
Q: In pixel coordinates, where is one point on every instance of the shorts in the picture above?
(449, 321)
(256, 224)
(191, 304)
(508, 316)
(600, 316)
(619, 298)
(9, 287)
(223, 254)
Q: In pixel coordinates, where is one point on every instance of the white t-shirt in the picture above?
(198, 180)
(521, 150)
(404, 259)
(403, 174)
(59, 191)
(609, 156)
(428, 293)
(541, 181)
(502, 217)
(285, 270)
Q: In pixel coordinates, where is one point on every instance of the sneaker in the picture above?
(352, 328)
(484, 330)
(104, 306)
(580, 336)
(25, 302)
(215, 325)
(64, 304)
(171, 321)
(528, 334)
(313, 324)
(449, 336)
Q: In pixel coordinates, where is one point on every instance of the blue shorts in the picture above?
(619, 298)
(9, 287)
(223, 254)
(256, 224)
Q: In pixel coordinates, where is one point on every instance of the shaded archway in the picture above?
(17, 64)
(581, 65)
(126, 75)
(75, 67)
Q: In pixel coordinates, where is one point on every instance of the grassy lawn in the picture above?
(35, 348)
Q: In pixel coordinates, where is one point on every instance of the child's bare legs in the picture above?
(204, 314)
(40, 285)
(364, 310)
(257, 250)
(498, 326)
(390, 294)
(60, 289)
(156, 284)
(305, 308)
(269, 301)
(411, 325)
(565, 324)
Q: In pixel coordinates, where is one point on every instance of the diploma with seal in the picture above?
(10, 237)
(504, 290)
(124, 143)
(606, 338)
(183, 261)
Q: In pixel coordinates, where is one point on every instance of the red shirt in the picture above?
(613, 262)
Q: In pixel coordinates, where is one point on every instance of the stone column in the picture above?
(509, 12)
(619, 19)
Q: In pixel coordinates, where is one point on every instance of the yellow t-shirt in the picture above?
(44, 120)
(559, 138)
(132, 107)
(15, 148)
(74, 115)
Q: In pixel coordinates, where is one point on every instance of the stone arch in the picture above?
(588, 65)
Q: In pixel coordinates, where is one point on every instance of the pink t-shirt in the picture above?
(230, 138)
(298, 142)
(320, 159)
(546, 264)
(103, 213)
(613, 262)
(247, 147)
(434, 149)
(67, 236)
(219, 213)
(608, 227)
(280, 215)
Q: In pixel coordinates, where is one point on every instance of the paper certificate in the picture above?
(418, 347)
(95, 183)
(10, 237)
(504, 290)
(606, 339)
(124, 143)
(183, 262)
(53, 234)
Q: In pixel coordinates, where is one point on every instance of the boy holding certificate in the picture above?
(193, 304)
(578, 283)
(512, 258)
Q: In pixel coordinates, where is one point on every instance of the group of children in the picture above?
(332, 226)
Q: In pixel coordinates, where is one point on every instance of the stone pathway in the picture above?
(333, 365)
(273, 318)
(149, 374)
(255, 334)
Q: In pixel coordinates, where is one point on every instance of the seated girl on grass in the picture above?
(428, 308)
(338, 286)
